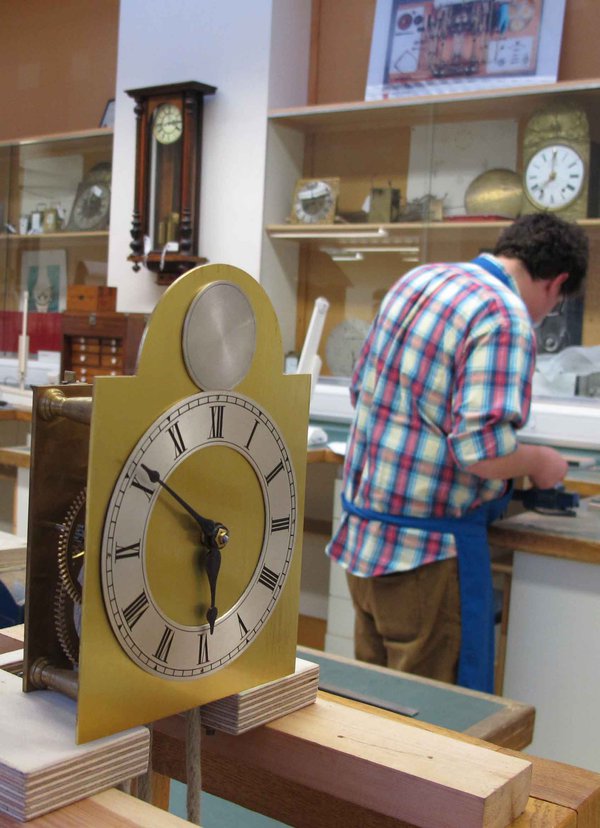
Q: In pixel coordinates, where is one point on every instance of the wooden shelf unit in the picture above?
(367, 144)
(48, 170)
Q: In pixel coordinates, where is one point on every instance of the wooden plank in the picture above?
(251, 786)
(386, 765)
(511, 726)
(17, 456)
(109, 809)
(574, 788)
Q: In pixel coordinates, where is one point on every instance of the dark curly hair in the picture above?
(547, 245)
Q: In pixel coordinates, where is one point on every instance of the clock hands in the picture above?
(215, 534)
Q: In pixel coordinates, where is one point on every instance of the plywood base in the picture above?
(41, 767)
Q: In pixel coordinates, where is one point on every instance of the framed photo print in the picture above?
(436, 46)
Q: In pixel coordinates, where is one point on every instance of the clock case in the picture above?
(112, 692)
(189, 98)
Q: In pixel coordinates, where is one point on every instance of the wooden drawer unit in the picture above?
(100, 344)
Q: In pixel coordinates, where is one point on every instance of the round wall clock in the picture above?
(315, 200)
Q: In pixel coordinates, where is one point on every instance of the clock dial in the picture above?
(224, 456)
(168, 124)
(554, 177)
(315, 200)
(91, 207)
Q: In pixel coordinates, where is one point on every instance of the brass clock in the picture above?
(315, 200)
(91, 208)
(165, 228)
(194, 510)
(556, 157)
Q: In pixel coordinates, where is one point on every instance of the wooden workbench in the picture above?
(247, 770)
(553, 647)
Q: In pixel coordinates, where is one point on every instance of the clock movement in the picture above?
(164, 228)
(556, 158)
(194, 488)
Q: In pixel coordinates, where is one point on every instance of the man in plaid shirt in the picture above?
(440, 389)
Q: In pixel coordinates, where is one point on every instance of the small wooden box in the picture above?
(91, 298)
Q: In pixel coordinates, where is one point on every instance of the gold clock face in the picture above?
(221, 454)
(167, 126)
(554, 177)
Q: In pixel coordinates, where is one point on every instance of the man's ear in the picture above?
(560, 280)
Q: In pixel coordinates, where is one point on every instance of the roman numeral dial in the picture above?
(228, 464)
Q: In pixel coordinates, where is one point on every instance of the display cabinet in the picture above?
(54, 217)
(450, 171)
(100, 344)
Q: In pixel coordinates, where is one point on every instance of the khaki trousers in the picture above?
(409, 621)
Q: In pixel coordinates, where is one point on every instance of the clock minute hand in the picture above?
(207, 526)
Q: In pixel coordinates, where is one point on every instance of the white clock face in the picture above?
(554, 177)
(224, 456)
(168, 124)
(314, 201)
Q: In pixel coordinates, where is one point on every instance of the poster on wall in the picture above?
(44, 277)
(422, 47)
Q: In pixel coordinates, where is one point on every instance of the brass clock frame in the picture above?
(184, 182)
(114, 693)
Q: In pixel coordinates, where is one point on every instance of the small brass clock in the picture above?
(556, 157)
(315, 200)
(164, 227)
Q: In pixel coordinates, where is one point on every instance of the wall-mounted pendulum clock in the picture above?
(193, 516)
(165, 228)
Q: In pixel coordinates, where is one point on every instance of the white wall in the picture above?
(256, 54)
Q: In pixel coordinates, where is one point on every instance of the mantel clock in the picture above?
(193, 513)
(164, 228)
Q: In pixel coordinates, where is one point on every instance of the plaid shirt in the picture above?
(443, 380)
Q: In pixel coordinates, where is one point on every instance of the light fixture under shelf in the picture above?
(332, 233)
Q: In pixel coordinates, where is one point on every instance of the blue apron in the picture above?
(476, 659)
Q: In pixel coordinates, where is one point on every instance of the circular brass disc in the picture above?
(219, 337)
(496, 192)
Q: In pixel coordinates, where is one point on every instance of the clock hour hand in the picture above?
(215, 534)
(213, 564)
